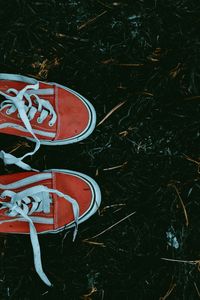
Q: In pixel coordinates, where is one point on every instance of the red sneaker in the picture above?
(47, 202)
(47, 113)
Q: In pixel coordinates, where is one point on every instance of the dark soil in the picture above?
(145, 54)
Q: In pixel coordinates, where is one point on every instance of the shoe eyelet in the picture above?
(39, 121)
(8, 112)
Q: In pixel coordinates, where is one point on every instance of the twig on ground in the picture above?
(169, 291)
(175, 71)
(192, 98)
(145, 93)
(87, 296)
(130, 65)
(104, 4)
(194, 161)
(197, 290)
(94, 243)
(116, 167)
(109, 228)
(190, 262)
(111, 206)
(90, 21)
(19, 145)
(111, 112)
(123, 133)
(111, 61)
(182, 204)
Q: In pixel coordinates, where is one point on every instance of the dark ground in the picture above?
(145, 54)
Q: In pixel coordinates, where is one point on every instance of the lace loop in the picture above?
(23, 204)
(22, 102)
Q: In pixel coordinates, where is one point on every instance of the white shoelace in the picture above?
(23, 204)
(22, 102)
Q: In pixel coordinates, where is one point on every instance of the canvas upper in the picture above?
(46, 202)
(47, 113)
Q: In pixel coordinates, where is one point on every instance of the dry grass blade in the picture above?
(190, 262)
(92, 20)
(168, 293)
(192, 98)
(112, 62)
(123, 133)
(182, 204)
(112, 226)
(104, 4)
(87, 296)
(197, 290)
(144, 93)
(194, 161)
(111, 112)
(112, 206)
(19, 145)
(94, 243)
(130, 65)
(108, 61)
(175, 71)
(116, 167)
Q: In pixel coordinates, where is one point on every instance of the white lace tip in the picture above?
(75, 233)
(43, 277)
(49, 283)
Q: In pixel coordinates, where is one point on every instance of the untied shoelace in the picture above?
(22, 102)
(24, 204)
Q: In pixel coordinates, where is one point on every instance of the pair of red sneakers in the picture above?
(35, 202)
